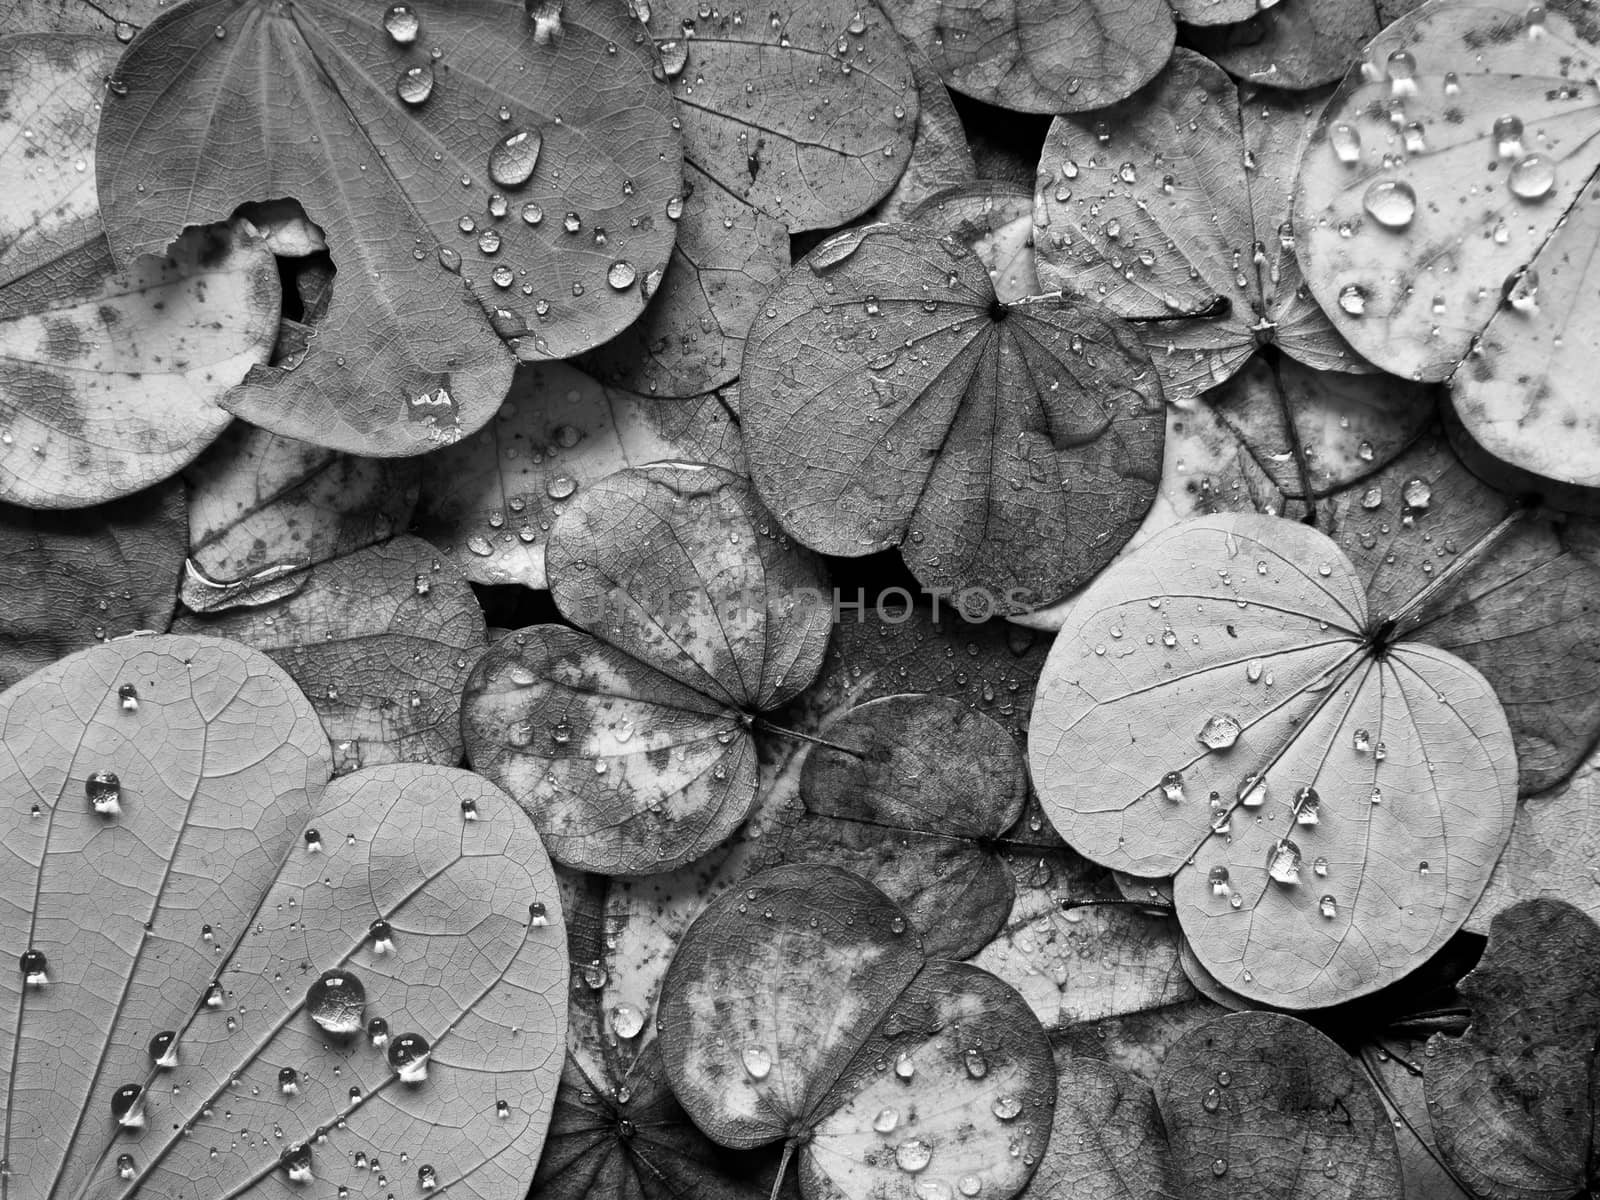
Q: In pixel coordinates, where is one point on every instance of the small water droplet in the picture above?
(674, 56)
(1329, 906)
(104, 792)
(977, 1065)
(1220, 731)
(904, 1067)
(1006, 1106)
(126, 1108)
(129, 696)
(1172, 785)
(538, 916)
(1217, 877)
(408, 1056)
(886, 1120)
(1252, 791)
(1353, 299)
(123, 32)
(1346, 142)
(757, 1062)
(415, 84)
(427, 1177)
(35, 968)
(1533, 177)
(1391, 203)
(125, 1168)
(1212, 1099)
(164, 1049)
(378, 1032)
(621, 275)
(1283, 862)
(913, 1155)
(288, 1081)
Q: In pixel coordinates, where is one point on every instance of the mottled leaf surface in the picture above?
(1232, 660)
(381, 640)
(799, 1006)
(1041, 55)
(303, 101)
(1513, 1098)
(1176, 202)
(889, 399)
(1484, 292)
(489, 501)
(75, 578)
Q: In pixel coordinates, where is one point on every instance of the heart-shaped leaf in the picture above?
(489, 501)
(381, 641)
(435, 206)
(76, 578)
(633, 754)
(1513, 1098)
(1383, 772)
(889, 399)
(1492, 101)
(1254, 1106)
(1176, 202)
(1041, 55)
(220, 888)
(799, 1008)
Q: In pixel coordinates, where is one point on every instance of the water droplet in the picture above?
(1253, 669)
(104, 792)
(163, 1049)
(427, 1177)
(1219, 1167)
(913, 1154)
(969, 1185)
(595, 975)
(1346, 142)
(977, 1065)
(449, 259)
(1252, 791)
(1532, 177)
(621, 275)
(502, 1109)
(415, 84)
(123, 32)
(1353, 299)
(886, 1120)
(1307, 806)
(1522, 290)
(337, 1002)
(626, 1021)
(757, 1062)
(1391, 203)
(538, 916)
(402, 24)
(378, 1032)
(1283, 862)
(1169, 639)
(1217, 877)
(408, 1055)
(1422, 867)
(288, 1081)
(1330, 907)
(125, 1107)
(1172, 785)
(513, 158)
(129, 696)
(1212, 1100)
(1507, 134)
(674, 56)
(1402, 73)
(904, 1067)
(489, 241)
(125, 1166)
(1417, 494)
(502, 276)
(1220, 731)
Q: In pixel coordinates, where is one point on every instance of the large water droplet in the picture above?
(1532, 177)
(1283, 862)
(513, 158)
(1402, 73)
(621, 275)
(1172, 785)
(408, 1055)
(886, 1120)
(1307, 806)
(415, 84)
(1353, 299)
(757, 1062)
(913, 1154)
(1346, 142)
(126, 1108)
(1252, 790)
(35, 968)
(1006, 1107)
(125, 1169)
(1220, 731)
(402, 24)
(674, 56)
(1507, 134)
(626, 1021)
(288, 1081)
(1391, 203)
(296, 1163)
(1217, 877)
(337, 1002)
(104, 793)
(427, 1177)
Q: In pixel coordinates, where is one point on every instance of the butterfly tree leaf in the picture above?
(109, 381)
(1039, 55)
(213, 881)
(800, 120)
(1513, 1098)
(381, 640)
(800, 1008)
(1176, 201)
(489, 501)
(889, 399)
(630, 744)
(1385, 782)
(440, 214)
(1494, 101)
(76, 578)
(1253, 1106)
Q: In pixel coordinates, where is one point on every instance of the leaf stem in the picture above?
(767, 726)
(783, 1166)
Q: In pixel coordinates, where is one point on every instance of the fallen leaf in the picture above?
(1174, 205)
(76, 578)
(1493, 102)
(1297, 44)
(995, 221)
(889, 399)
(440, 215)
(1398, 1076)
(630, 745)
(1136, 1043)
(1512, 1099)
(1038, 55)
(259, 501)
(940, 157)
(1253, 1106)
(382, 641)
(489, 501)
(799, 1008)
(1383, 770)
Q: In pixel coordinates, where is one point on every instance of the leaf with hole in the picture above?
(1493, 101)
(448, 222)
(1174, 205)
(1383, 771)
(890, 399)
(628, 740)
(799, 1008)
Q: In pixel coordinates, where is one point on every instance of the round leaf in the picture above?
(1041, 55)
(1492, 101)
(1290, 697)
(940, 157)
(799, 1006)
(405, 192)
(889, 399)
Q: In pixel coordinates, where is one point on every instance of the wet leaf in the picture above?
(381, 640)
(1254, 1106)
(1136, 1044)
(259, 501)
(630, 744)
(995, 221)
(940, 157)
(889, 399)
(1398, 1076)
(1394, 772)
(75, 578)
(1492, 101)
(114, 18)
(1176, 202)
(1038, 55)
(1295, 44)
(1512, 1099)
(204, 881)
(406, 357)
(489, 501)
(799, 1007)
(913, 793)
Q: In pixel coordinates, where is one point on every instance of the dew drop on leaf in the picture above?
(1253, 669)
(1283, 862)
(977, 1065)
(1391, 203)
(415, 84)
(1219, 1167)
(296, 1163)
(125, 1168)
(1172, 785)
(124, 32)
(104, 792)
(1217, 877)
(621, 275)
(1219, 732)
(408, 1055)
(1212, 1099)
(1507, 134)
(35, 968)
(125, 1107)
(378, 1032)
(626, 1021)
(469, 809)
(886, 1120)
(502, 1109)
(164, 1049)
(129, 696)
(1353, 299)
(1346, 142)
(537, 916)
(288, 1081)
(913, 1155)
(337, 1002)
(401, 24)
(904, 1067)
(1307, 806)
(969, 1185)
(1252, 790)
(1532, 177)
(427, 1177)
(1329, 906)
(514, 157)
(757, 1062)
(1006, 1107)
